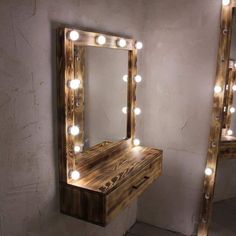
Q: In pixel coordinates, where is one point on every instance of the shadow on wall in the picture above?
(54, 222)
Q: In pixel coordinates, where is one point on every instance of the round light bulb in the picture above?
(137, 111)
(138, 45)
(124, 110)
(74, 130)
(74, 35)
(101, 39)
(225, 2)
(234, 65)
(230, 132)
(232, 110)
(234, 87)
(75, 175)
(77, 148)
(138, 78)
(136, 142)
(208, 171)
(125, 78)
(217, 89)
(74, 83)
(121, 43)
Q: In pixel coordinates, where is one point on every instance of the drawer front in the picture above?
(131, 189)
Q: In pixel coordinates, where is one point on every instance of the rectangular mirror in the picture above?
(105, 95)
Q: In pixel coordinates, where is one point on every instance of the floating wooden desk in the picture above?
(227, 148)
(111, 176)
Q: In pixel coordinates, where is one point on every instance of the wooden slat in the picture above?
(227, 149)
(217, 118)
(113, 167)
(131, 96)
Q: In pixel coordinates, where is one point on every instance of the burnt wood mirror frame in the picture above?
(96, 184)
(217, 148)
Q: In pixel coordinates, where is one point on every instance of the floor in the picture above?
(224, 218)
(141, 229)
(223, 222)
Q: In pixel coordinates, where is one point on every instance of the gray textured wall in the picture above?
(180, 62)
(178, 66)
(28, 156)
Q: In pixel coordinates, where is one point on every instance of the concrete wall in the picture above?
(178, 66)
(180, 62)
(28, 157)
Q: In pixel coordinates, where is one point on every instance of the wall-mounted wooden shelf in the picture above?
(227, 148)
(111, 176)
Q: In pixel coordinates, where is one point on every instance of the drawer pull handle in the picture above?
(141, 182)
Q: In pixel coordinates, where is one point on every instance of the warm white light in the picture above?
(77, 148)
(74, 130)
(74, 35)
(225, 2)
(138, 78)
(208, 171)
(234, 87)
(136, 142)
(137, 111)
(101, 39)
(124, 110)
(125, 78)
(138, 45)
(121, 43)
(74, 83)
(232, 110)
(229, 132)
(75, 175)
(217, 89)
(234, 65)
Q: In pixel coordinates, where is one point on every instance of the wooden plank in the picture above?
(111, 169)
(87, 38)
(121, 197)
(227, 149)
(217, 118)
(131, 94)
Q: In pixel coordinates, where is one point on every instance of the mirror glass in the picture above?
(105, 95)
(224, 202)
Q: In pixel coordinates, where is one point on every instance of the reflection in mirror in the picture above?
(105, 95)
(224, 202)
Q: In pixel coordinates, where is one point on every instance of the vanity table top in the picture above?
(107, 165)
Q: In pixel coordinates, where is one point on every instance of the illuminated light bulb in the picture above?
(75, 175)
(77, 148)
(74, 83)
(217, 89)
(234, 65)
(136, 142)
(101, 39)
(137, 111)
(138, 78)
(225, 2)
(124, 110)
(230, 132)
(138, 45)
(74, 35)
(234, 87)
(232, 110)
(208, 171)
(125, 78)
(121, 43)
(74, 130)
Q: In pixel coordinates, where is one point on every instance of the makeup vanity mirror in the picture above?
(102, 166)
(218, 211)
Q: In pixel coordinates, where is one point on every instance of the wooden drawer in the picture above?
(121, 197)
(109, 181)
